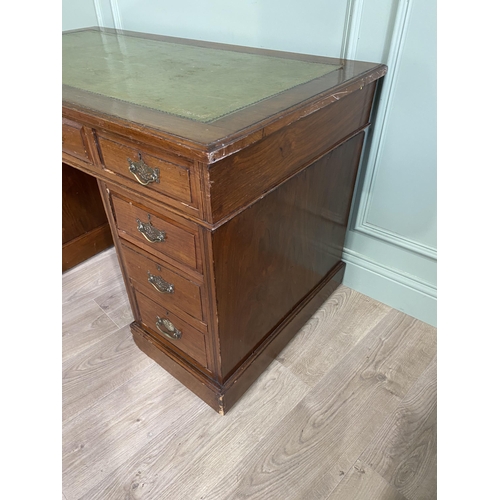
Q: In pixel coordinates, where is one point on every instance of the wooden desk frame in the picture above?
(254, 212)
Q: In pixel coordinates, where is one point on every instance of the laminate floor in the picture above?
(347, 411)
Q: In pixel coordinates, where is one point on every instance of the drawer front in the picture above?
(171, 329)
(156, 234)
(73, 140)
(155, 279)
(148, 172)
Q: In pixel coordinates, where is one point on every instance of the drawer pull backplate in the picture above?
(142, 172)
(167, 328)
(149, 232)
(160, 284)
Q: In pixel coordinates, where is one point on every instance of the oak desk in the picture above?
(227, 175)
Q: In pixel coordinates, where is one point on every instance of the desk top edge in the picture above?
(212, 141)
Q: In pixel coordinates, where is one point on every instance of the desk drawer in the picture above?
(154, 278)
(157, 235)
(171, 329)
(167, 178)
(73, 140)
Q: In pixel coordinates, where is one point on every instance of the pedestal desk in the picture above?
(227, 175)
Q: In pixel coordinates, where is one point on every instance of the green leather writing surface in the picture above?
(193, 82)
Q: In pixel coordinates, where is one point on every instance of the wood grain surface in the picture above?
(360, 424)
(241, 178)
(362, 483)
(404, 450)
(85, 228)
(331, 333)
(270, 256)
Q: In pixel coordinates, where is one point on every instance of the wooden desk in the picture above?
(227, 175)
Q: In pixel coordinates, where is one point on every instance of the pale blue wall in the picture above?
(78, 14)
(391, 242)
(294, 25)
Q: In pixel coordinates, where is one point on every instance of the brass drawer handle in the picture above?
(142, 172)
(171, 332)
(160, 284)
(149, 232)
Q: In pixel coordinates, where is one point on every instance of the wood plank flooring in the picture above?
(346, 412)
